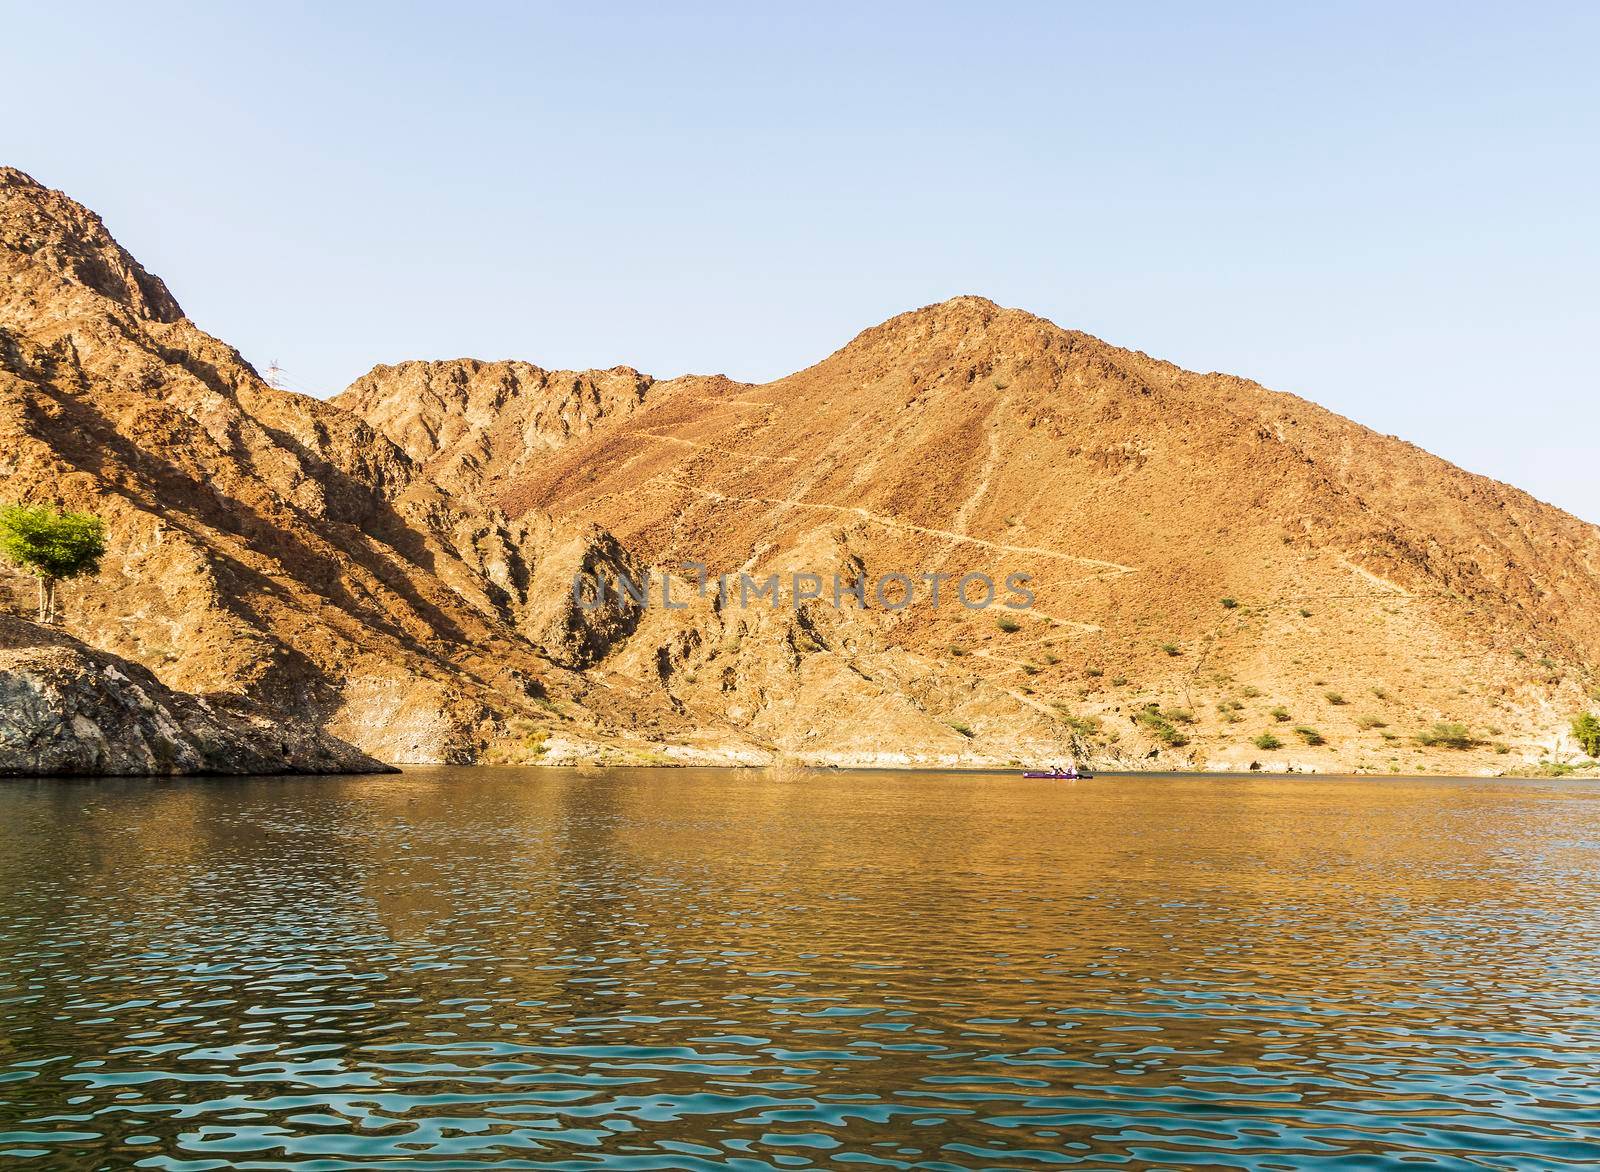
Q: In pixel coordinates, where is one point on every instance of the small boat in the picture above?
(1057, 774)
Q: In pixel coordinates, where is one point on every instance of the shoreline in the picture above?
(1012, 773)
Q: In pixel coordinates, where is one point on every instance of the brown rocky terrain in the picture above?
(1215, 566)
(1252, 565)
(271, 547)
(68, 709)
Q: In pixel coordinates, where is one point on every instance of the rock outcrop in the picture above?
(66, 708)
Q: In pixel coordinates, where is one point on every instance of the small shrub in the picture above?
(1368, 723)
(1171, 649)
(1095, 673)
(1118, 681)
(1250, 692)
(1281, 715)
(1229, 603)
(1380, 693)
(1267, 741)
(1334, 698)
(964, 729)
(1008, 624)
(1159, 727)
(1304, 613)
(1028, 669)
(1446, 734)
(1052, 659)
(1309, 735)
(1586, 731)
(956, 652)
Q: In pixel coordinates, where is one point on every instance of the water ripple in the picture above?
(459, 969)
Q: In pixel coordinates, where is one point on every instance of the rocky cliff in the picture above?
(66, 708)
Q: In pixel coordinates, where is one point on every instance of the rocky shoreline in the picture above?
(67, 709)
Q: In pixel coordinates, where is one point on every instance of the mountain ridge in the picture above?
(394, 568)
(949, 429)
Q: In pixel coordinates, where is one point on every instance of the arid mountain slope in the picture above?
(277, 548)
(1247, 561)
(458, 419)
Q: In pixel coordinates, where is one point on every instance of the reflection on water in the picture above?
(463, 968)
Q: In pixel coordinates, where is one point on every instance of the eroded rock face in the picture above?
(469, 423)
(68, 709)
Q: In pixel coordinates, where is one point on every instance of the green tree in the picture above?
(51, 545)
(1586, 731)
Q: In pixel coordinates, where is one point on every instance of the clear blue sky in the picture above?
(1391, 209)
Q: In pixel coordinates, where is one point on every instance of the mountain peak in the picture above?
(65, 237)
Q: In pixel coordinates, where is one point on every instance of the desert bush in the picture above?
(1445, 734)
(1280, 714)
(1158, 726)
(1309, 735)
(1586, 731)
(1171, 649)
(1229, 603)
(1008, 624)
(1368, 723)
(1267, 741)
(1334, 698)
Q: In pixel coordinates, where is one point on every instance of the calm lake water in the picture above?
(470, 968)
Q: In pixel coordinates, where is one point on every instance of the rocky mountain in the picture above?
(280, 550)
(1217, 574)
(1223, 575)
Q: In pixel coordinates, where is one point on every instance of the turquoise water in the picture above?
(472, 968)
